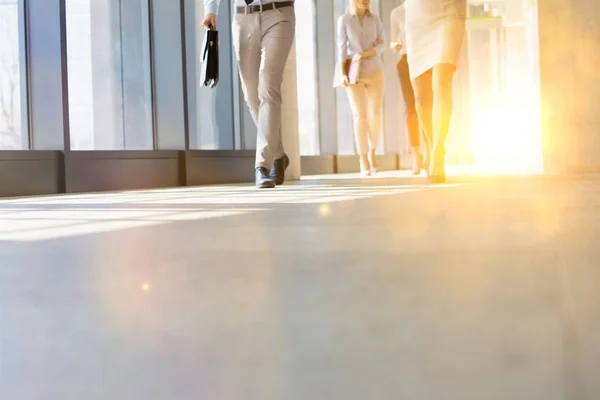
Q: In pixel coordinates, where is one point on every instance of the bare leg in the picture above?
(417, 160)
(411, 118)
(442, 115)
(422, 86)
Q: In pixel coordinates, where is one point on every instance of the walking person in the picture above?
(435, 31)
(398, 45)
(263, 34)
(360, 38)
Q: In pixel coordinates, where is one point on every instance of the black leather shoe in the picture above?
(263, 180)
(278, 170)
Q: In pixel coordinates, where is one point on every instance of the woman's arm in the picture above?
(343, 51)
(379, 45)
(380, 42)
(394, 31)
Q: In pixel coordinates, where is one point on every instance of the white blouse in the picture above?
(353, 38)
(398, 34)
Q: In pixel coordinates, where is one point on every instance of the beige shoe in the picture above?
(373, 161)
(364, 165)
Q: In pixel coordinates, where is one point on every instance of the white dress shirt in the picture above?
(398, 23)
(354, 38)
(212, 6)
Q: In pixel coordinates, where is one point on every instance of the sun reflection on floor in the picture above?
(52, 217)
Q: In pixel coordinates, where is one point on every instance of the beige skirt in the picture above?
(435, 31)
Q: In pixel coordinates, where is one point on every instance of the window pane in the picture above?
(307, 90)
(504, 111)
(110, 91)
(211, 111)
(344, 113)
(13, 134)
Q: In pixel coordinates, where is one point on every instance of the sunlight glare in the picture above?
(324, 210)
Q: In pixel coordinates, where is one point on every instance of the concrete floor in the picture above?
(386, 288)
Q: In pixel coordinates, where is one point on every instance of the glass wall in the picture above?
(307, 77)
(504, 77)
(13, 135)
(211, 111)
(110, 89)
(345, 139)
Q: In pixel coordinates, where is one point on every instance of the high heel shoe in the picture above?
(437, 173)
(364, 165)
(417, 163)
(374, 165)
(427, 161)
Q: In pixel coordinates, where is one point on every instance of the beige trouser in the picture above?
(366, 101)
(262, 43)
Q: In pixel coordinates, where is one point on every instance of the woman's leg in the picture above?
(356, 96)
(422, 86)
(410, 113)
(375, 89)
(443, 75)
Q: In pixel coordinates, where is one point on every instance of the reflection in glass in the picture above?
(12, 136)
(110, 95)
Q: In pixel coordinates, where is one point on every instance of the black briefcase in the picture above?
(209, 74)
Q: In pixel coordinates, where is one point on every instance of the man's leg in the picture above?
(247, 37)
(246, 42)
(278, 27)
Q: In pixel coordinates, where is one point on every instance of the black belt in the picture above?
(264, 7)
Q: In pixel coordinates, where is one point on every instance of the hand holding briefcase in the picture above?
(209, 73)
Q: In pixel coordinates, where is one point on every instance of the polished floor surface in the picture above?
(383, 288)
